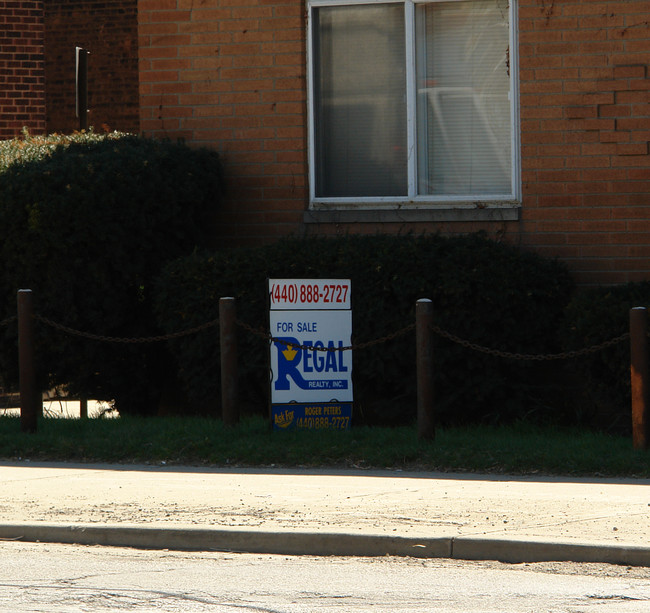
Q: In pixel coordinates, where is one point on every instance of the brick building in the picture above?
(38, 64)
(527, 119)
(108, 31)
(22, 69)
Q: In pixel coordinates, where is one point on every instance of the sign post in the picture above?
(311, 377)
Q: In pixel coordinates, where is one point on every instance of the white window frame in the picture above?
(412, 200)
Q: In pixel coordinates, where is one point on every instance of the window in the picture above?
(412, 102)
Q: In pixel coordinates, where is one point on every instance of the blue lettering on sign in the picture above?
(290, 358)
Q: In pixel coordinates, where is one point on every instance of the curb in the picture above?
(325, 544)
(239, 541)
(524, 551)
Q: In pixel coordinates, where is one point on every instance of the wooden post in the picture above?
(639, 376)
(424, 356)
(228, 339)
(29, 398)
(83, 407)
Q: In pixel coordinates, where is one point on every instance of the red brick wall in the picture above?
(22, 76)
(108, 30)
(231, 74)
(585, 126)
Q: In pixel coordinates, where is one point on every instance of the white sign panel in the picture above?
(310, 320)
(307, 372)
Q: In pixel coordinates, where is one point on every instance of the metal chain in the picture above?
(527, 356)
(267, 337)
(383, 339)
(116, 339)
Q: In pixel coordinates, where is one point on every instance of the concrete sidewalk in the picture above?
(328, 512)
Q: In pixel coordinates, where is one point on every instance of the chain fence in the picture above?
(124, 340)
(448, 336)
(29, 404)
(266, 336)
(8, 320)
(528, 356)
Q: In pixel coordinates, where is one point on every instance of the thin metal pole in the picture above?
(26, 371)
(424, 356)
(228, 339)
(639, 376)
(82, 87)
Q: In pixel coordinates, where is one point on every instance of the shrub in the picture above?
(594, 316)
(87, 222)
(32, 148)
(490, 293)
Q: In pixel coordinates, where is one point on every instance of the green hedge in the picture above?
(490, 293)
(34, 148)
(87, 223)
(594, 316)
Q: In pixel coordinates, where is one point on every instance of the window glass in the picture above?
(463, 97)
(430, 78)
(360, 103)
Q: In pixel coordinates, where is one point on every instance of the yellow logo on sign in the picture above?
(290, 353)
(284, 419)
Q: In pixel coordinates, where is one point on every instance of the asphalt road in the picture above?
(52, 578)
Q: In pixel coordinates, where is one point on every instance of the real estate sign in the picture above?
(311, 378)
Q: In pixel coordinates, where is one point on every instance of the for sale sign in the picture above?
(311, 376)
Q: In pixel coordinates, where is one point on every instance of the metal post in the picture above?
(424, 354)
(82, 87)
(228, 339)
(639, 376)
(29, 401)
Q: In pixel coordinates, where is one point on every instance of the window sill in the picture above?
(501, 212)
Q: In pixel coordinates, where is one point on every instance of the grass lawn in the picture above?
(517, 449)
